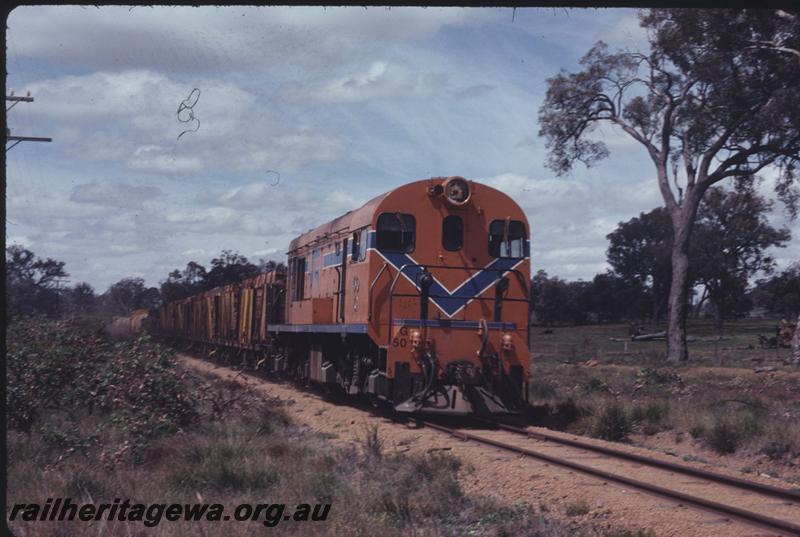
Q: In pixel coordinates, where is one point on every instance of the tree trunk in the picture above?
(682, 224)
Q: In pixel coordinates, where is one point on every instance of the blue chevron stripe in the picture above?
(452, 302)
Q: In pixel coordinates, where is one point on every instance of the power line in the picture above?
(17, 139)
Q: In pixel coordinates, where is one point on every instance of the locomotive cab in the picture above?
(453, 314)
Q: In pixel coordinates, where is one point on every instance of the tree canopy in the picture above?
(639, 251)
(130, 294)
(732, 237)
(31, 282)
(779, 294)
(229, 267)
(709, 101)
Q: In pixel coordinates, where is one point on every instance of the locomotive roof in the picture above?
(363, 216)
(354, 219)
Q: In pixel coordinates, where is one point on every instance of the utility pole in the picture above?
(17, 139)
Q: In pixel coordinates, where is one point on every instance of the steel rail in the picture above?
(783, 527)
(773, 524)
(761, 488)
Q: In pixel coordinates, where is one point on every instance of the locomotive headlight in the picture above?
(457, 190)
(415, 339)
(507, 343)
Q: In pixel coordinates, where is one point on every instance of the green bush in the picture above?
(631, 533)
(651, 417)
(59, 372)
(578, 508)
(723, 437)
(611, 422)
(697, 430)
(541, 389)
(594, 384)
(728, 433)
(567, 410)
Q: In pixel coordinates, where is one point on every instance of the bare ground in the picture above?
(510, 479)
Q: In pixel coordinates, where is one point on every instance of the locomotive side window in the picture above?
(396, 232)
(359, 241)
(356, 249)
(507, 243)
(452, 233)
(299, 278)
(364, 245)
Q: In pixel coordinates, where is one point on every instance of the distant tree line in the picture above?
(609, 298)
(732, 234)
(35, 285)
(228, 267)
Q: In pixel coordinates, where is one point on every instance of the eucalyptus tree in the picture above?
(713, 98)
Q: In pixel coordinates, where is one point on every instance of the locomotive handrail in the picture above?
(371, 287)
(399, 272)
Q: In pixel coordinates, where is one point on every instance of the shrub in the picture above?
(631, 533)
(723, 437)
(578, 508)
(649, 375)
(594, 384)
(542, 389)
(697, 430)
(372, 444)
(567, 410)
(776, 449)
(611, 423)
(727, 434)
(651, 417)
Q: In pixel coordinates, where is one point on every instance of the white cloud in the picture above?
(627, 32)
(158, 159)
(476, 90)
(537, 194)
(310, 199)
(132, 116)
(113, 195)
(380, 80)
(185, 39)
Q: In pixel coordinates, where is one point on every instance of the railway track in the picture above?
(735, 499)
(517, 438)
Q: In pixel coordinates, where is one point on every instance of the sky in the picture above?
(179, 131)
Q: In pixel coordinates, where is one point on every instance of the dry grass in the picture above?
(234, 447)
(719, 409)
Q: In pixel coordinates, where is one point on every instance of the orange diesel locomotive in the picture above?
(419, 298)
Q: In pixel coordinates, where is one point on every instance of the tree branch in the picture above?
(705, 161)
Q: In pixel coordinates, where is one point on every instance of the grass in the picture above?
(631, 533)
(583, 383)
(578, 508)
(212, 441)
(581, 343)
(612, 422)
